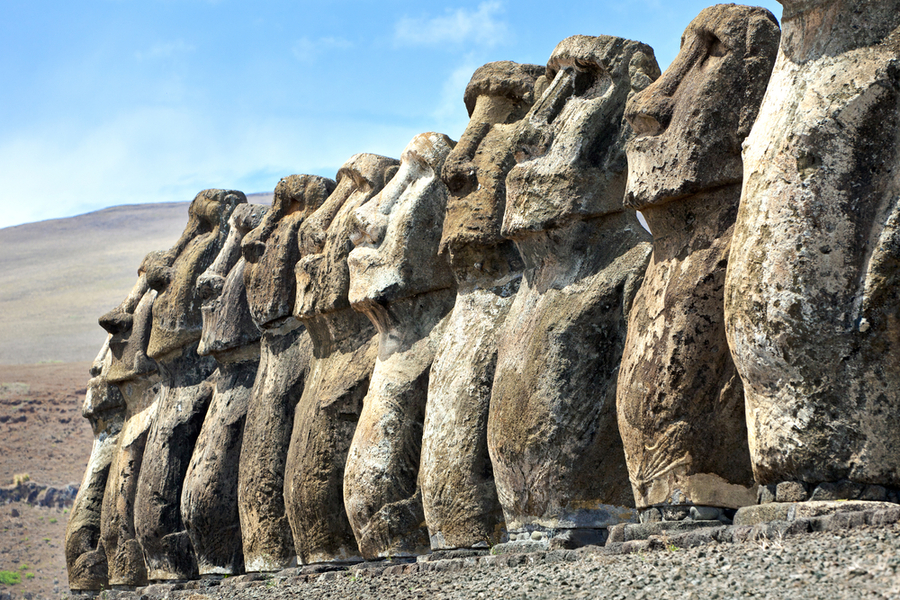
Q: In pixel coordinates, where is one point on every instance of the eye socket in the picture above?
(716, 47)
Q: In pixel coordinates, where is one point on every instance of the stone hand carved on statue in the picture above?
(458, 495)
(812, 294)
(404, 285)
(680, 400)
(272, 250)
(185, 393)
(344, 347)
(552, 435)
(209, 497)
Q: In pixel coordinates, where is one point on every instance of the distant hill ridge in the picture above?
(58, 276)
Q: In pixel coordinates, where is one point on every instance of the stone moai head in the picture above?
(690, 123)
(571, 145)
(323, 277)
(102, 401)
(227, 324)
(177, 321)
(272, 249)
(398, 232)
(129, 326)
(498, 95)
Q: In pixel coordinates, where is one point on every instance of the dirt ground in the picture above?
(42, 434)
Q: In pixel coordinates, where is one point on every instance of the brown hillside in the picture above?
(58, 276)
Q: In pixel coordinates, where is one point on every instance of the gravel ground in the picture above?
(862, 562)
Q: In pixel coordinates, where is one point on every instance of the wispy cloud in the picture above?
(450, 112)
(164, 50)
(307, 50)
(482, 27)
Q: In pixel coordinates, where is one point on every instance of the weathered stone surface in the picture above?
(458, 494)
(404, 286)
(137, 378)
(790, 511)
(272, 251)
(104, 407)
(812, 294)
(552, 434)
(209, 495)
(680, 400)
(185, 393)
(344, 347)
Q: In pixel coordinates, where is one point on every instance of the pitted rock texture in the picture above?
(185, 394)
(458, 494)
(138, 380)
(552, 435)
(344, 345)
(209, 496)
(404, 286)
(812, 301)
(176, 312)
(680, 400)
(184, 398)
(272, 250)
(104, 407)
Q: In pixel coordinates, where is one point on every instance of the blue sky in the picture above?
(124, 101)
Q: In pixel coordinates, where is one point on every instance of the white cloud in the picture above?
(164, 155)
(450, 113)
(480, 27)
(307, 50)
(164, 50)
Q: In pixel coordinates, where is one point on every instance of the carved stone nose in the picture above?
(460, 177)
(649, 112)
(116, 321)
(252, 250)
(209, 286)
(158, 277)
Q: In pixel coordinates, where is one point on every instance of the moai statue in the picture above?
(812, 293)
(272, 251)
(137, 378)
(209, 505)
(105, 409)
(401, 282)
(186, 391)
(558, 462)
(458, 495)
(344, 345)
(680, 400)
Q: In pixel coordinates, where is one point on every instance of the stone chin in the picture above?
(660, 171)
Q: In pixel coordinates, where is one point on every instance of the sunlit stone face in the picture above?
(690, 123)
(227, 323)
(570, 155)
(176, 312)
(272, 249)
(497, 97)
(399, 230)
(323, 277)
